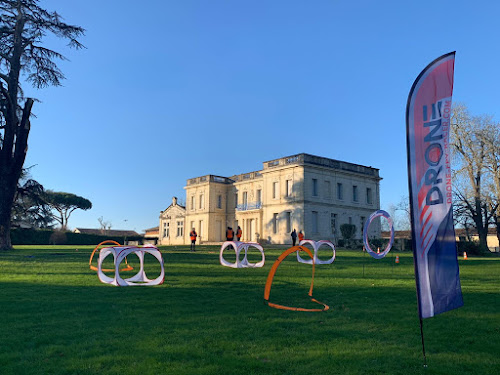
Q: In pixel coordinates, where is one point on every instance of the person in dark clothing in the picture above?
(193, 236)
(294, 236)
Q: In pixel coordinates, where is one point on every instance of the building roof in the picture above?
(473, 231)
(152, 232)
(300, 159)
(175, 204)
(304, 158)
(108, 232)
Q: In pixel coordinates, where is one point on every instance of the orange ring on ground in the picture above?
(270, 277)
(94, 268)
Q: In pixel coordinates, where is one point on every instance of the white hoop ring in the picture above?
(119, 254)
(246, 263)
(316, 245)
(328, 261)
(238, 246)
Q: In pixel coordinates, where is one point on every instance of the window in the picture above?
(340, 191)
(201, 201)
(355, 193)
(288, 188)
(333, 223)
(200, 228)
(245, 198)
(315, 222)
(350, 220)
(315, 187)
(275, 223)
(362, 224)
(288, 216)
(235, 200)
(219, 201)
(369, 198)
(180, 228)
(193, 205)
(275, 190)
(168, 229)
(328, 190)
(259, 196)
(164, 233)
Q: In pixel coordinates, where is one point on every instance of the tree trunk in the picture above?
(11, 164)
(7, 192)
(497, 221)
(482, 232)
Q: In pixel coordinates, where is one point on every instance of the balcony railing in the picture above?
(249, 206)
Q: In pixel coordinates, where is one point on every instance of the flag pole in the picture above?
(423, 341)
(364, 253)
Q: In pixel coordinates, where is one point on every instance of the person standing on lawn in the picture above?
(294, 236)
(193, 236)
(301, 236)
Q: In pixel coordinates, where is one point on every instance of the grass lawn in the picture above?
(208, 319)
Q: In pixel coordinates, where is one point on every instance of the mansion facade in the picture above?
(308, 193)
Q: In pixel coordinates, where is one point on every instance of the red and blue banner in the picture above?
(428, 114)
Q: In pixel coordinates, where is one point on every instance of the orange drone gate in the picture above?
(270, 278)
(110, 242)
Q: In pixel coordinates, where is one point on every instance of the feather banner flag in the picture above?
(428, 113)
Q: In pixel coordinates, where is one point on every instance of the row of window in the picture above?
(288, 221)
(327, 190)
(340, 191)
(219, 200)
(288, 193)
(180, 229)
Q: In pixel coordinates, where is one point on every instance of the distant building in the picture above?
(151, 236)
(172, 227)
(306, 192)
(471, 235)
(402, 238)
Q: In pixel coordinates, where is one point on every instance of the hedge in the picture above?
(51, 237)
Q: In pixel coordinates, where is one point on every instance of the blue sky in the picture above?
(169, 90)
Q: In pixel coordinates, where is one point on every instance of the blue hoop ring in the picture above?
(372, 217)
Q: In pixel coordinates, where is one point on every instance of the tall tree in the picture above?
(471, 174)
(30, 208)
(491, 138)
(65, 204)
(23, 26)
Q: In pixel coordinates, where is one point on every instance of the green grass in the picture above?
(208, 319)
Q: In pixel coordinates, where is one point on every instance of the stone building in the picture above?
(171, 229)
(306, 192)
